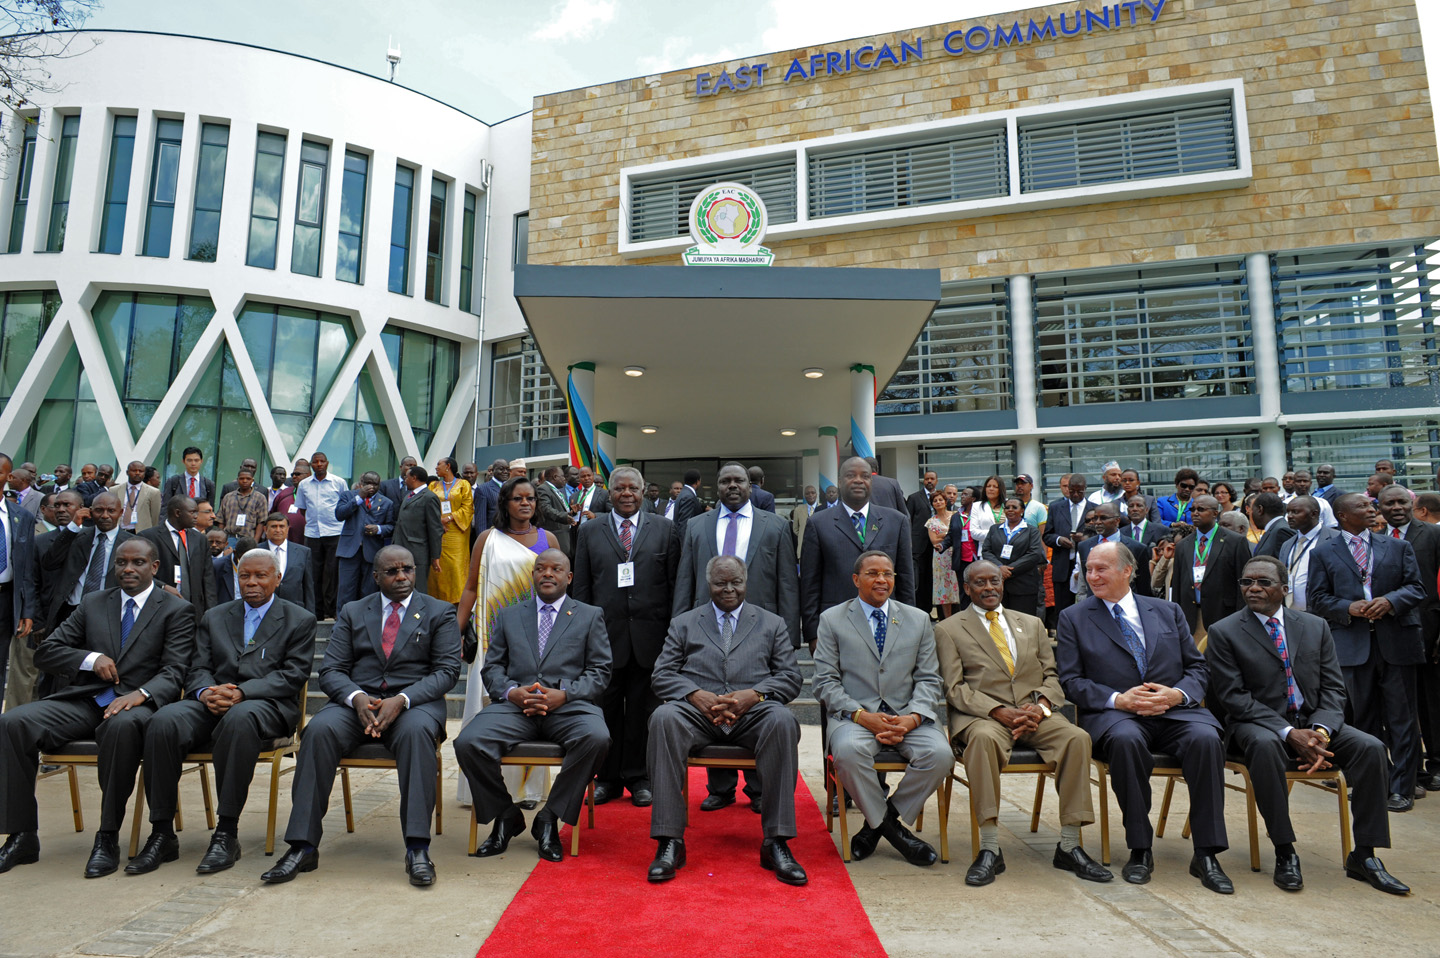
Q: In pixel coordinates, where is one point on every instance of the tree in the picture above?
(36, 32)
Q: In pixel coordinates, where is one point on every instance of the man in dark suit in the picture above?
(884, 491)
(297, 578)
(1104, 524)
(126, 651)
(1368, 588)
(833, 542)
(688, 504)
(1143, 529)
(418, 528)
(1208, 562)
(17, 547)
(590, 499)
(626, 565)
(725, 674)
(188, 483)
(1064, 528)
(758, 495)
(762, 539)
(395, 489)
(1132, 670)
(1016, 548)
(227, 571)
(23, 683)
(1327, 490)
(489, 490)
(1267, 511)
(552, 512)
(918, 508)
(284, 503)
(368, 518)
(1398, 509)
(185, 566)
(389, 662)
(546, 669)
(252, 658)
(1275, 681)
(78, 558)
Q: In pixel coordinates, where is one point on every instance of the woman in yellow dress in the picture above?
(457, 509)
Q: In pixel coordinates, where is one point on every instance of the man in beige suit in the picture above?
(878, 680)
(139, 502)
(1003, 690)
(800, 516)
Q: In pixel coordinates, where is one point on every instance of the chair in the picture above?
(1294, 774)
(374, 754)
(87, 752)
(1165, 765)
(529, 755)
(1023, 761)
(887, 760)
(715, 756)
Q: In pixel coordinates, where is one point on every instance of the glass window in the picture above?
(525, 400)
(164, 178)
(969, 465)
(223, 425)
(24, 317)
(146, 338)
(435, 244)
(1413, 447)
(521, 242)
(64, 175)
(1232, 457)
(961, 361)
(25, 173)
(310, 208)
(117, 184)
(209, 191)
(467, 252)
(352, 217)
(297, 353)
(401, 215)
(265, 200)
(427, 370)
(358, 441)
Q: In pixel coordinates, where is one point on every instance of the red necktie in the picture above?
(192, 487)
(1395, 533)
(183, 544)
(391, 631)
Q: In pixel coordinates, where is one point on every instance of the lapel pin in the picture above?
(569, 612)
(417, 615)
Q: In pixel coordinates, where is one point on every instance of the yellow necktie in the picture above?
(997, 635)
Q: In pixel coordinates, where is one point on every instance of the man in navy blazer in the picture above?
(489, 490)
(297, 581)
(758, 495)
(1132, 670)
(367, 520)
(1104, 522)
(1375, 618)
(1064, 527)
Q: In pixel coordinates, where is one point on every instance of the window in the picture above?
(117, 184)
(146, 338)
(401, 215)
(1414, 448)
(966, 165)
(358, 440)
(1060, 152)
(427, 369)
(435, 243)
(310, 208)
(521, 244)
(526, 403)
(660, 204)
(1356, 318)
(217, 417)
(24, 173)
(969, 465)
(1165, 332)
(467, 252)
(265, 200)
(961, 362)
(24, 317)
(68, 427)
(209, 191)
(297, 354)
(352, 217)
(64, 175)
(1232, 457)
(164, 177)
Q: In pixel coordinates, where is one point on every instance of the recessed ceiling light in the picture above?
(635, 371)
(649, 430)
(787, 432)
(814, 372)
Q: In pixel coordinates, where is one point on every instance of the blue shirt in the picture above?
(318, 497)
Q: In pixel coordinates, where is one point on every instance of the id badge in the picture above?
(445, 507)
(965, 535)
(294, 508)
(1199, 574)
(239, 520)
(1005, 552)
(177, 575)
(625, 575)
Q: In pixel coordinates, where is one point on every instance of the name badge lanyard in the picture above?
(1200, 559)
(1010, 535)
(445, 487)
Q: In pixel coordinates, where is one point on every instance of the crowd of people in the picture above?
(1282, 622)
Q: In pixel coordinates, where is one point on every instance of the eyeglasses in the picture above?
(1185, 485)
(877, 574)
(1262, 583)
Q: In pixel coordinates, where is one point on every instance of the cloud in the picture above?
(679, 52)
(576, 20)
(806, 23)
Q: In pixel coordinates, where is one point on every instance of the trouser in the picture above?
(7, 625)
(1127, 746)
(988, 745)
(925, 577)
(1381, 701)
(323, 566)
(1427, 678)
(927, 754)
(628, 703)
(23, 676)
(353, 579)
(188, 726)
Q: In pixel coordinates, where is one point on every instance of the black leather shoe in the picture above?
(912, 849)
(1287, 872)
(1430, 781)
(1419, 792)
(606, 792)
(508, 824)
(224, 851)
(158, 850)
(419, 867)
(1372, 870)
(1212, 876)
(755, 804)
(863, 843)
(985, 867)
(547, 832)
(641, 796)
(1399, 803)
(713, 803)
(775, 856)
(1081, 864)
(104, 857)
(669, 858)
(529, 804)
(21, 848)
(292, 863)
(1138, 869)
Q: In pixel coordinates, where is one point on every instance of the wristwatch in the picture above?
(1044, 708)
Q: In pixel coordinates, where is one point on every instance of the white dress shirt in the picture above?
(1284, 635)
(281, 553)
(864, 512)
(1369, 576)
(1299, 565)
(88, 665)
(78, 593)
(720, 616)
(8, 574)
(742, 533)
(385, 614)
(1004, 627)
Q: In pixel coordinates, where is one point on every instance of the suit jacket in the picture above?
(354, 541)
(1425, 540)
(1274, 538)
(831, 548)
(424, 663)
(1095, 663)
(179, 485)
(851, 672)
(284, 503)
(489, 492)
(89, 489)
(976, 679)
(147, 504)
(1247, 678)
(762, 499)
(771, 582)
(298, 583)
(1141, 583)
(1027, 557)
(156, 656)
(197, 574)
(62, 564)
(762, 656)
(1220, 590)
(274, 667)
(599, 502)
(418, 526)
(224, 579)
(1154, 531)
(687, 507)
(1335, 583)
(917, 506)
(886, 492)
(552, 514)
(1058, 526)
(21, 558)
(636, 617)
(576, 659)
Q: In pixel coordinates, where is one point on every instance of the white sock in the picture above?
(1069, 837)
(990, 837)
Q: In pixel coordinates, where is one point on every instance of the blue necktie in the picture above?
(859, 521)
(1132, 641)
(547, 622)
(732, 534)
(4, 546)
(879, 618)
(1292, 691)
(127, 622)
(252, 622)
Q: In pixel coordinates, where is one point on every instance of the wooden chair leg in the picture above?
(274, 804)
(75, 798)
(349, 809)
(590, 802)
(439, 796)
(179, 812)
(920, 821)
(1250, 820)
(829, 795)
(1345, 843)
(474, 831)
(1165, 806)
(139, 814)
(942, 802)
(974, 820)
(209, 799)
(844, 820)
(685, 793)
(1104, 809)
(1039, 797)
(575, 840)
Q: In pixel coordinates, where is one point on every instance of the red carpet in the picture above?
(600, 904)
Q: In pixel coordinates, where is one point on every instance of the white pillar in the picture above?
(1022, 361)
(809, 469)
(1264, 336)
(905, 466)
(829, 474)
(862, 409)
(1027, 459)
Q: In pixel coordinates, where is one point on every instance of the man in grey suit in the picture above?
(546, 668)
(551, 511)
(687, 503)
(725, 675)
(735, 527)
(389, 662)
(878, 678)
(418, 528)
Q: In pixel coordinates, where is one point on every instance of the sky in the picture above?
(490, 58)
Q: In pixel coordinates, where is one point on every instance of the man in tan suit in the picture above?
(800, 516)
(1003, 689)
(139, 501)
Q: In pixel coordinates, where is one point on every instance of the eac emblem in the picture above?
(727, 223)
